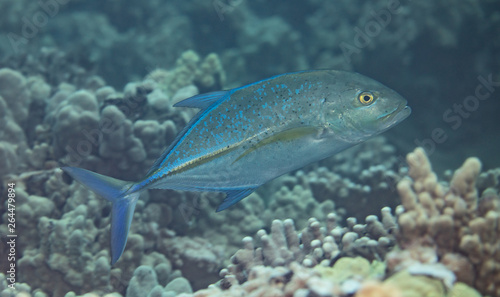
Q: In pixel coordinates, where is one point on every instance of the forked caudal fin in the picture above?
(115, 191)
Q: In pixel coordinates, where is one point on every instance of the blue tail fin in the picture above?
(113, 190)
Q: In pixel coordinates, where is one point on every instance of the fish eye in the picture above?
(366, 98)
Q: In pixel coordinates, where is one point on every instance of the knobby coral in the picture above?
(450, 224)
(316, 244)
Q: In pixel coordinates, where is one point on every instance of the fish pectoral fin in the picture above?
(233, 197)
(202, 101)
(283, 136)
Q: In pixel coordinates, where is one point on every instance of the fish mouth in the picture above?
(396, 116)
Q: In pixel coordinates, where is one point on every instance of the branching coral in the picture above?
(450, 224)
(316, 244)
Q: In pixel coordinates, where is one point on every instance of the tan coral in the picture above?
(461, 227)
(464, 181)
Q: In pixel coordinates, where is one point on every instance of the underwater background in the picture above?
(375, 220)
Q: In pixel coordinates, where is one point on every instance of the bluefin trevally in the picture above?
(247, 136)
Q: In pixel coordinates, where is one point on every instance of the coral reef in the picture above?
(90, 124)
(70, 236)
(354, 278)
(145, 283)
(418, 251)
(441, 231)
(436, 224)
(450, 224)
(195, 257)
(315, 245)
(14, 105)
(206, 74)
(54, 110)
(85, 122)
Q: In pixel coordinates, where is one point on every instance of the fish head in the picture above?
(360, 107)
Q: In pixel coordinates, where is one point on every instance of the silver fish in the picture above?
(247, 136)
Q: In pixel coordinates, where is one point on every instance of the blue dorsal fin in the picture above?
(201, 101)
(233, 197)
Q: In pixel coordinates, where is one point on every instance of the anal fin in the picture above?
(233, 197)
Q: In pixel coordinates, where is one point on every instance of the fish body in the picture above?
(245, 137)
